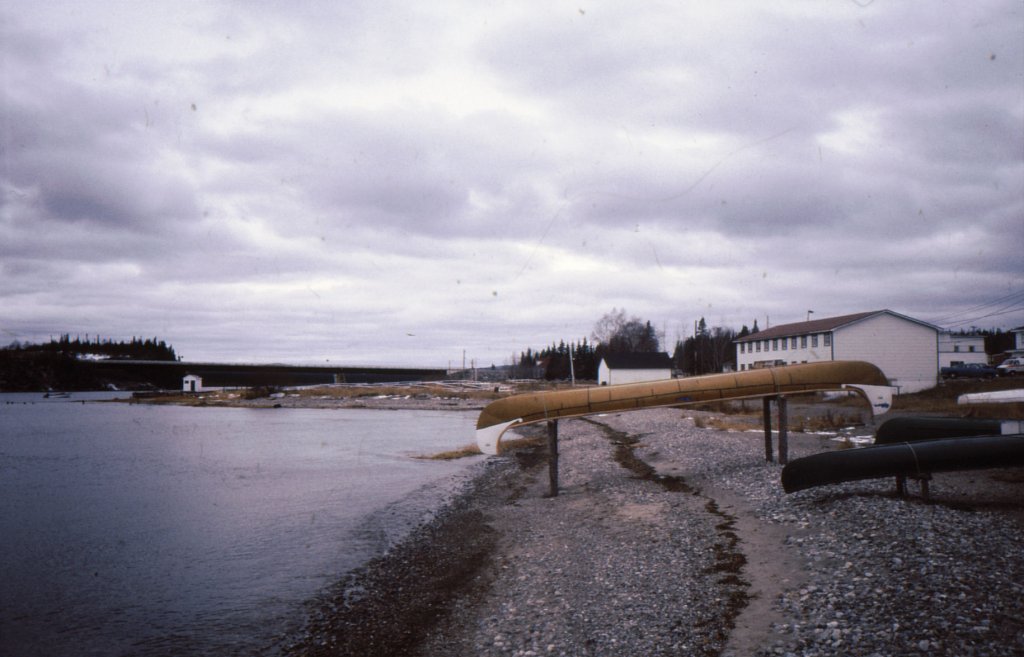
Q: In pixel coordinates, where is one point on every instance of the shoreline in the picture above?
(724, 563)
(386, 402)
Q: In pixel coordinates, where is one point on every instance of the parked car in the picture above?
(969, 371)
(1011, 366)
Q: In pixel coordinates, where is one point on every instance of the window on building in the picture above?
(785, 341)
(793, 343)
(775, 344)
(956, 348)
(814, 340)
(970, 348)
(758, 345)
(803, 341)
(828, 339)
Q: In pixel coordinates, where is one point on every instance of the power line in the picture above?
(982, 306)
(1006, 301)
(1004, 311)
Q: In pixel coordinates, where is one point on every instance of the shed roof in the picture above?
(638, 361)
(823, 325)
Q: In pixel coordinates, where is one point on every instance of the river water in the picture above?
(158, 530)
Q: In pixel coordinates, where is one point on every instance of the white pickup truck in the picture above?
(1011, 366)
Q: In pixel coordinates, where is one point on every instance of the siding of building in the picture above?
(906, 351)
(617, 377)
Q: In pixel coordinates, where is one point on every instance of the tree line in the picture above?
(134, 349)
(709, 350)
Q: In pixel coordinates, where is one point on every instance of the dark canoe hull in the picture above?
(904, 459)
(916, 428)
(518, 410)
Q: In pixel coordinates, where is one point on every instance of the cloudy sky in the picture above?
(402, 183)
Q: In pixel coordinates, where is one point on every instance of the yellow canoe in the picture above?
(518, 410)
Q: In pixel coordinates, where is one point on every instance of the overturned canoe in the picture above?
(914, 428)
(994, 397)
(906, 459)
(503, 414)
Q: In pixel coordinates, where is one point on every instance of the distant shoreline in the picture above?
(398, 398)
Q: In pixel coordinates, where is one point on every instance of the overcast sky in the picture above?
(395, 183)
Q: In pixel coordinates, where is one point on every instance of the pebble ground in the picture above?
(669, 539)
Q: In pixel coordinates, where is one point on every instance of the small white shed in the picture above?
(634, 368)
(192, 383)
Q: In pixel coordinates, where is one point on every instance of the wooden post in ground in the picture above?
(553, 458)
(783, 430)
(767, 406)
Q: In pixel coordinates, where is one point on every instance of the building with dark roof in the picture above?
(906, 349)
(634, 368)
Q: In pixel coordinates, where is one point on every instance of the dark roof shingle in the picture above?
(638, 361)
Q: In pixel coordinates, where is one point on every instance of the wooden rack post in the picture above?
(553, 458)
(780, 401)
(783, 411)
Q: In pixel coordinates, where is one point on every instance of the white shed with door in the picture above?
(615, 369)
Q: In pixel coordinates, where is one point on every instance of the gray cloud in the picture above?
(490, 178)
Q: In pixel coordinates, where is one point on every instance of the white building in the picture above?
(1018, 341)
(192, 383)
(634, 368)
(904, 348)
(961, 349)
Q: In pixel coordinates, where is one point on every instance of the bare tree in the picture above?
(609, 324)
(619, 334)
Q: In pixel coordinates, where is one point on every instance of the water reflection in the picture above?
(132, 529)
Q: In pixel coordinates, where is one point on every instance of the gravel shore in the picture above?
(669, 539)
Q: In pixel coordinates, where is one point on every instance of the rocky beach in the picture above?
(667, 538)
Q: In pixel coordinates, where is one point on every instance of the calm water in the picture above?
(153, 530)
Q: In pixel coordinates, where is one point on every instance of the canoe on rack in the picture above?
(915, 428)
(518, 410)
(906, 459)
